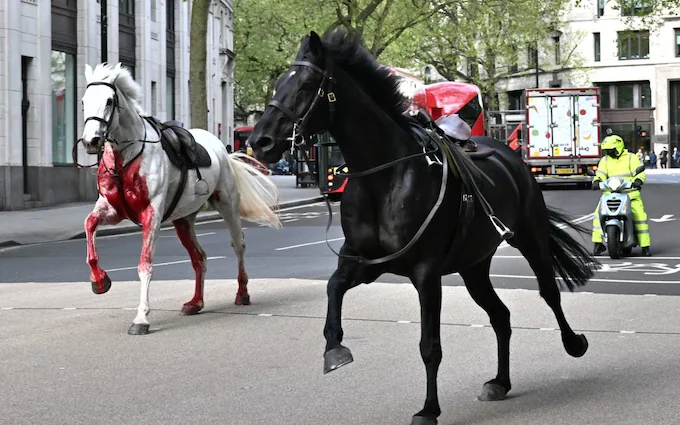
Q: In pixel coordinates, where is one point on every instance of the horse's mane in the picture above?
(376, 80)
(122, 80)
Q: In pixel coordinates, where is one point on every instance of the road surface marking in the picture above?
(69, 308)
(308, 244)
(197, 235)
(512, 276)
(444, 323)
(290, 220)
(169, 263)
(501, 246)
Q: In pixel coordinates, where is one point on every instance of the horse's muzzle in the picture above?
(92, 148)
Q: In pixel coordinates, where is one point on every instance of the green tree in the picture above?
(267, 35)
(198, 63)
(484, 41)
(642, 14)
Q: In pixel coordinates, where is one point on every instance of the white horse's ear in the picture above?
(118, 66)
(88, 73)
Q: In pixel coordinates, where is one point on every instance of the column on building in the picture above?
(11, 173)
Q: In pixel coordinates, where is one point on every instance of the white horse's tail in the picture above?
(259, 195)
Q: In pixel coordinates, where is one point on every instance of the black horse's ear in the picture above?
(315, 44)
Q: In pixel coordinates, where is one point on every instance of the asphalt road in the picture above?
(65, 357)
(298, 250)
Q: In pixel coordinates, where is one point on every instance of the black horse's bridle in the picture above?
(299, 137)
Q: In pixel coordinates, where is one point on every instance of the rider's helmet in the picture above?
(613, 146)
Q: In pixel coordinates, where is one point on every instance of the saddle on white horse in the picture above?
(183, 150)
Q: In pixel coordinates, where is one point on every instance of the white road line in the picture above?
(502, 245)
(218, 220)
(307, 244)
(197, 235)
(513, 276)
(169, 263)
(600, 258)
(290, 220)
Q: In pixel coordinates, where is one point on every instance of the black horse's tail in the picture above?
(573, 261)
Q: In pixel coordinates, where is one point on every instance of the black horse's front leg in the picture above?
(428, 283)
(342, 280)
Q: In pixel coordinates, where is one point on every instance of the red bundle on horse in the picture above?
(152, 172)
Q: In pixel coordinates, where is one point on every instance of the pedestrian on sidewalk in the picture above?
(676, 158)
(652, 159)
(663, 157)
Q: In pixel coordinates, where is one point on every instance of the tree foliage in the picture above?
(267, 34)
(486, 41)
(642, 14)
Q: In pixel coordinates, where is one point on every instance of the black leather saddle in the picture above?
(180, 146)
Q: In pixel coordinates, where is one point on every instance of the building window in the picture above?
(515, 100)
(63, 106)
(605, 97)
(633, 45)
(596, 38)
(512, 60)
(558, 53)
(600, 8)
(170, 98)
(153, 10)
(473, 67)
(677, 42)
(645, 95)
(532, 57)
(624, 96)
(636, 7)
(154, 99)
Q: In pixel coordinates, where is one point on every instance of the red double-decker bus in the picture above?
(438, 99)
(448, 98)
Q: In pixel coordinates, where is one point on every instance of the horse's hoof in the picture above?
(139, 329)
(493, 391)
(422, 420)
(103, 286)
(191, 309)
(576, 346)
(336, 358)
(242, 299)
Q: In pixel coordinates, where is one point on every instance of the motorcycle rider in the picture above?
(618, 162)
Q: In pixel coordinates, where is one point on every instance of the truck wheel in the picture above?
(613, 243)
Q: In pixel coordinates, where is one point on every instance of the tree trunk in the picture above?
(198, 64)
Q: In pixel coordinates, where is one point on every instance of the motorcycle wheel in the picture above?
(613, 243)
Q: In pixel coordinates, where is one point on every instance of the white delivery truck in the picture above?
(562, 134)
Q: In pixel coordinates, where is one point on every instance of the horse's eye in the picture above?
(109, 102)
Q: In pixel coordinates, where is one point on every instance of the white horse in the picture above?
(138, 181)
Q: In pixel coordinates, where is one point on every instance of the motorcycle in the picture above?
(616, 217)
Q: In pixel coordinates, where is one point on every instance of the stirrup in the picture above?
(430, 162)
(201, 187)
(501, 228)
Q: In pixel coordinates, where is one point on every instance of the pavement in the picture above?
(65, 356)
(66, 221)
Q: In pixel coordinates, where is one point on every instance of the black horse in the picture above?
(393, 214)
